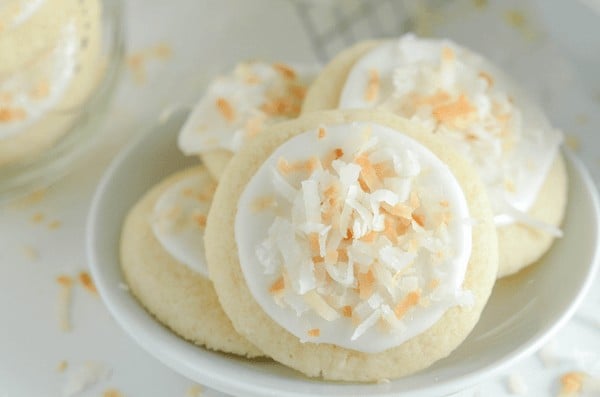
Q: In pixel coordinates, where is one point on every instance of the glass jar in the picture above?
(60, 60)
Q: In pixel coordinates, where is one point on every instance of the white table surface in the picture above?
(207, 37)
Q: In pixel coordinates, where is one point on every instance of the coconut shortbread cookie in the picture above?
(351, 245)
(478, 111)
(237, 106)
(162, 257)
(51, 61)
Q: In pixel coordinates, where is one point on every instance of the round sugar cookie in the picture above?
(236, 107)
(181, 298)
(327, 360)
(520, 244)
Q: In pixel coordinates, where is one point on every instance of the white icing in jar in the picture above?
(354, 235)
(179, 218)
(470, 104)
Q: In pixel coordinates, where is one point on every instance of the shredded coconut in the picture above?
(357, 240)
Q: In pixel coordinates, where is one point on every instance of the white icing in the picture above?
(275, 240)
(412, 68)
(247, 89)
(175, 220)
(39, 88)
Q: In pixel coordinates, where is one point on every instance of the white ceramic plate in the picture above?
(522, 313)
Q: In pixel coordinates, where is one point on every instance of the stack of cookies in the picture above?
(348, 222)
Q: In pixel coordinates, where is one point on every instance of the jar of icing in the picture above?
(59, 63)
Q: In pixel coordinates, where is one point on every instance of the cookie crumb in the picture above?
(87, 283)
(65, 283)
(194, 391)
(383, 381)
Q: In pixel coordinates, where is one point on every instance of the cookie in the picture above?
(477, 110)
(237, 106)
(162, 260)
(351, 245)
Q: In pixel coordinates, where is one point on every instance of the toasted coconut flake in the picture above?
(65, 283)
(30, 253)
(38, 217)
(11, 114)
(194, 391)
(372, 90)
(313, 242)
(322, 133)
(487, 77)
(415, 201)
(277, 286)
(312, 201)
(434, 283)
(285, 70)
(347, 311)
(314, 332)
(298, 91)
(254, 125)
(263, 203)
(62, 366)
(226, 110)
(41, 90)
(200, 220)
(112, 393)
(410, 300)
(446, 114)
(571, 382)
(55, 224)
(366, 324)
(419, 218)
(365, 284)
(448, 54)
(86, 282)
(318, 304)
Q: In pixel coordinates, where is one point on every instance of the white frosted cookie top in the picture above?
(235, 107)
(179, 219)
(468, 102)
(354, 235)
